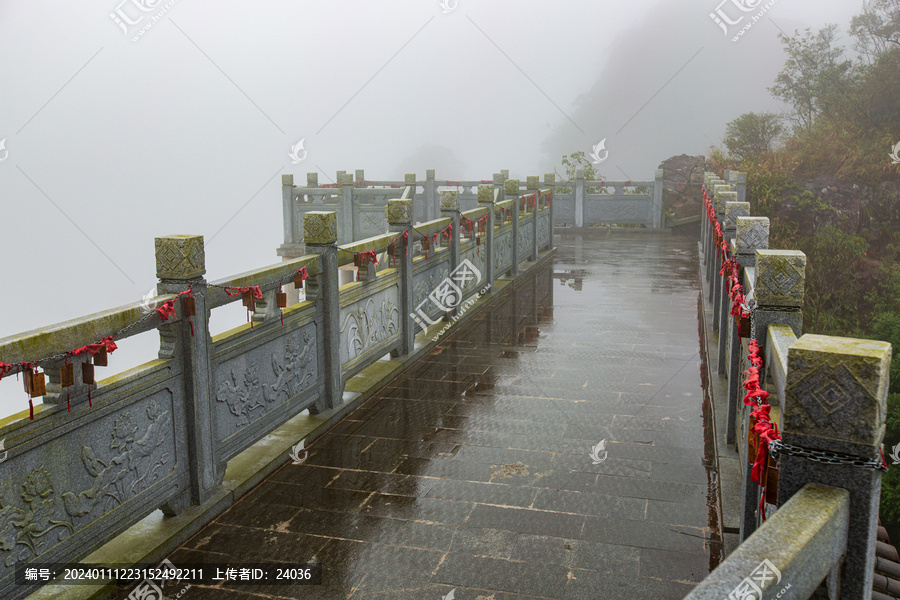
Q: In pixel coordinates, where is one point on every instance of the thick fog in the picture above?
(125, 120)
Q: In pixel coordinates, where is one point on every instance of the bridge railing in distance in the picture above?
(820, 423)
(620, 202)
(101, 454)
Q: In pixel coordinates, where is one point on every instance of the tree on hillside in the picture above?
(814, 77)
(752, 134)
(877, 29)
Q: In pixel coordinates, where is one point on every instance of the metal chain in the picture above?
(777, 447)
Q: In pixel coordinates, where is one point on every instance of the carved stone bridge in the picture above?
(559, 440)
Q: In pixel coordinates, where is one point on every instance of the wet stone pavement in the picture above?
(472, 471)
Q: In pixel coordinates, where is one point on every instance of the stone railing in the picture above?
(828, 400)
(585, 203)
(360, 202)
(99, 456)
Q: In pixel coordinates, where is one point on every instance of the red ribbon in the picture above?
(368, 256)
(4, 369)
(303, 274)
(107, 342)
(237, 291)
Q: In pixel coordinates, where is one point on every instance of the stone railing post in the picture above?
(657, 199)
(450, 208)
(320, 232)
(717, 279)
(728, 200)
(180, 265)
(293, 245)
(729, 335)
(739, 181)
(712, 251)
(752, 234)
(512, 190)
(486, 199)
(780, 281)
(499, 183)
(835, 401)
(579, 198)
(400, 219)
(431, 197)
(416, 215)
(292, 242)
(550, 182)
(359, 179)
(347, 228)
(532, 185)
(704, 223)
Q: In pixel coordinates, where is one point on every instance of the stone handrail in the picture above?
(789, 556)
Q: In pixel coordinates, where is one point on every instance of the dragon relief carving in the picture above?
(243, 393)
(369, 325)
(129, 469)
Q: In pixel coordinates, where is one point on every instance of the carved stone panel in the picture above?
(543, 230)
(57, 490)
(502, 252)
(424, 284)
(617, 211)
(525, 239)
(255, 382)
(368, 323)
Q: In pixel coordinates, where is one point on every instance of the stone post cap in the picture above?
(512, 187)
(737, 177)
(726, 174)
(504, 173)
(312, 180)
(449, 201)
(532, 182)
(429, 173)
(836, 394)
(549, 178)
(780, 278)
(485, 192)
(398, 212)
(360, 175)
(320, 227)
(734, 209)
(718, 190)
(180, 257)
(579, 174)
(409, 179)
(752, 234)
(659, 174)
(287, 179)
(346, 179)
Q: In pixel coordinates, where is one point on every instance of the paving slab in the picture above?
(554, 447)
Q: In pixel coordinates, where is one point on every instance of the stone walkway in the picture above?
(471, 472)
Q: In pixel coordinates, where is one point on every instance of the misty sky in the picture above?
(112, 141)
